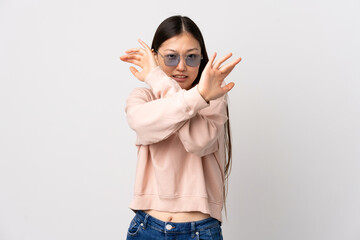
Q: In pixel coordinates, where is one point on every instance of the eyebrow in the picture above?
(189, 50)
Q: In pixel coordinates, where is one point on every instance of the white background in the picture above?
(67, 156)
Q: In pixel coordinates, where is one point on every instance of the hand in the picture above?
(212, 77)
(142, 57)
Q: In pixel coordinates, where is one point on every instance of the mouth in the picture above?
(180, 78)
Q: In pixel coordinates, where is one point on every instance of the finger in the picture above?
(146, 47)
(228, 87)
(227, 68)
(134, 71)
(129, 57)
(131, 60)
(135, 62)
(221, 60)
(230, 65)
(135, 51)
(211, 60)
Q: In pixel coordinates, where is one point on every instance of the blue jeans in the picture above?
(144, 226)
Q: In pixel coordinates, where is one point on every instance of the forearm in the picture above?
(155, 120)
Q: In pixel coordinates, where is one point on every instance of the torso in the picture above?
(177, 217)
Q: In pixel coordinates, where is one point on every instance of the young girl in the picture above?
(183, 136)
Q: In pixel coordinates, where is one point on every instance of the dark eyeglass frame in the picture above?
(177, 59)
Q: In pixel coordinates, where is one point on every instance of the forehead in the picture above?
(181, 43)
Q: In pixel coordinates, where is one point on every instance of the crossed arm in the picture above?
(165, 109)
(197, 114)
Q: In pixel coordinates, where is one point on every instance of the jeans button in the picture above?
(168, 227)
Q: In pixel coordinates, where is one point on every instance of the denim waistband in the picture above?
(176, 227)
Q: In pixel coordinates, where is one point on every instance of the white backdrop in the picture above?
(67, 156)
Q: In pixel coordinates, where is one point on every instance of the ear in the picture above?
(156, 56)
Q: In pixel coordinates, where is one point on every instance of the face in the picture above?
(186, 46)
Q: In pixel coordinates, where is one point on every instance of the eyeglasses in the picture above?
(172, 60)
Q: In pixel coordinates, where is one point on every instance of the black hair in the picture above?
(174, 26)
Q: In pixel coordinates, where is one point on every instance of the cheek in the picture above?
(166, 69)
(194, 73)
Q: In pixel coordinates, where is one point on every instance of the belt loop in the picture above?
(145, 220)
(192, 229)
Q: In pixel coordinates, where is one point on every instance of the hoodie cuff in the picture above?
(194, 101)
(161, 84)
(154, 74)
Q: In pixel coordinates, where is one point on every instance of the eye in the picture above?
(191, 56)
(171, 56)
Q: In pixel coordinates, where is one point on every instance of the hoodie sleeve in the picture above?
(155, 115)
(200, 134)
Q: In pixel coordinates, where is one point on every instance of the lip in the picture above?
(182, 79)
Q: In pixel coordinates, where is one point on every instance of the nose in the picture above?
(182, 65)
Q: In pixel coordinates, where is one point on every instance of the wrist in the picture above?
(202, 94)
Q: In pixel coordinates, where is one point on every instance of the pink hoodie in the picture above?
(180, 141)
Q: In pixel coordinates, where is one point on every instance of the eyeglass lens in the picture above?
(192, 60)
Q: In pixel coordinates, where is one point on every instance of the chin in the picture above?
(185, 86)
